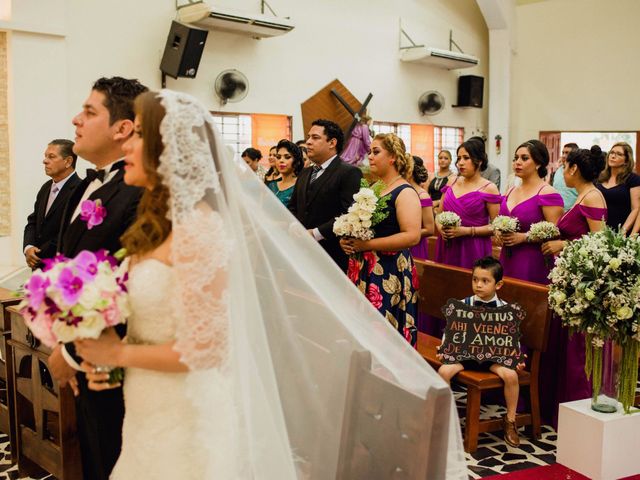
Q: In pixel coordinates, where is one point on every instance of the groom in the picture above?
(102, 127)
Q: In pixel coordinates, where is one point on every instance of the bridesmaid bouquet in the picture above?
(368, 210)
(595, 289)
(540, 232)
(505, 224)
(448, 219)
(71, 299)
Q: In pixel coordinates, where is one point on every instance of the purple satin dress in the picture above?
(525, 261)
(421, 250)
(471, 207)
(562, 365)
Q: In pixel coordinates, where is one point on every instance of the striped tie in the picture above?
(52, 196)
(314, 174)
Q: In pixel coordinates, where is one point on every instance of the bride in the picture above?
(237, 353)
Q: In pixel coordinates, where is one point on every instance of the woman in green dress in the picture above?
(289, 163)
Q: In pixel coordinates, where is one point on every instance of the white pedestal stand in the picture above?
(602, 446)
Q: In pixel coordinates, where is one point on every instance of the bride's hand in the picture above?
(97, 380)
(103, 351)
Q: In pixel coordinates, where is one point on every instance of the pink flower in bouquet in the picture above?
(49, 263)
(374, 296)
(92, 212)
(70, 286)
(86, 265)
(112, 315)
(36, 289)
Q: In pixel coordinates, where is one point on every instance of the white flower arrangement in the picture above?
(543, 231)
(448, 219)
(595, 289)
(367, 210)
(505, 224)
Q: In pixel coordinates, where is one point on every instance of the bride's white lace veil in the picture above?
(268, 321)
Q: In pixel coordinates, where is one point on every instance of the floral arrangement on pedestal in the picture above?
(595, 289)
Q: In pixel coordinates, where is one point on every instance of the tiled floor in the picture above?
(493, 456)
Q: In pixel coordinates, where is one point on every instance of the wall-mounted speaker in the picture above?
(470, 91)
(183, 50)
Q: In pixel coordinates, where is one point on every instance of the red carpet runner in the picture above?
(548, 472)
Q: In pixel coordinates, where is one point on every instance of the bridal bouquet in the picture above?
(540, 232)
(595, 289)
(448, 219)
(71, 299)
(367, 210)
(505, 224)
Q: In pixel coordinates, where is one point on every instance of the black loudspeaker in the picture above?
(470, 89)
(183, 50)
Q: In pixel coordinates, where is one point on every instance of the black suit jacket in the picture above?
(330, 196)
(99, 414)
(42, 229)
(121, 203)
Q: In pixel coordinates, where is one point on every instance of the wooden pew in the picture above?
(440, 282)
(7, 411)
(389, 432)
(45, 420)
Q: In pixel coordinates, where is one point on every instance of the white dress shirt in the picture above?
(95, 185)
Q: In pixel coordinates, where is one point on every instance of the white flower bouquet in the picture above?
(505, 224)
(448, 219)
(368, 210)
(595, 289)
(544, 231)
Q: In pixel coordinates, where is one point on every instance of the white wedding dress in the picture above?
(158, 435)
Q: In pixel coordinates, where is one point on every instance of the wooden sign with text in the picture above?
(484, 334)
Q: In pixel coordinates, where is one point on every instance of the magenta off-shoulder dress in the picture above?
(471, 207)
(421, 250)
(525, 261)
(562, 365)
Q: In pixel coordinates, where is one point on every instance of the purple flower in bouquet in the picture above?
(36, 289)
(122, 282)
(92, 212)
(103, 256)
(70, 286)
(86, 265)
(49, 263)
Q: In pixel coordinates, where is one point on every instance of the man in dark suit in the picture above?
(43, 225)
(102, 127)
(325, 190)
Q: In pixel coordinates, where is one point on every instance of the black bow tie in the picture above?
(480, 303)
(92, 174)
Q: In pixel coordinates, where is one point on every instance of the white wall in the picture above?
(355, 41)
(576, 67)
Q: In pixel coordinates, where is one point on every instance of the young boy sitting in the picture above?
(486, 280)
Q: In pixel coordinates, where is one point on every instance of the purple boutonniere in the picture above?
(92, 212)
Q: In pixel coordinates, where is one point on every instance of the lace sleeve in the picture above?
(201, 252)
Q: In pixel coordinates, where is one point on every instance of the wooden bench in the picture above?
(389, 432)
(45, 420)
(7, 411)
(440, 282)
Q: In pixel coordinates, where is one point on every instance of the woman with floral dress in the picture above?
(382, 268)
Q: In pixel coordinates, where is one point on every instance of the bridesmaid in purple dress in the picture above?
(476, 201)
(563, 362)
(531, 202)
(418, 177)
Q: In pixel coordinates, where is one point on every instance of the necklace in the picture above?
(391, 183)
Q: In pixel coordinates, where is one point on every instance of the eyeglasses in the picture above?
(616, 154)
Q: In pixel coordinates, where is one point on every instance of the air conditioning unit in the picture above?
(234, 21)
(437, 57)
